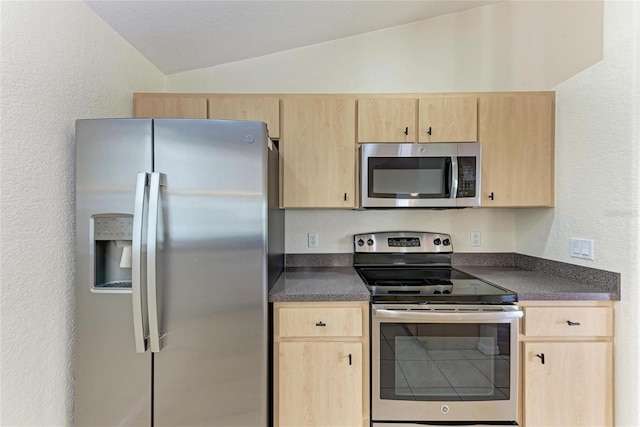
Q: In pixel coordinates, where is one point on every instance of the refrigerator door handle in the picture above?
(139, 324)
(157, 181)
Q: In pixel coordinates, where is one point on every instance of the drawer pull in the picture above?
(570, 323)
(349, 359)
(541, 356)
(321, 324)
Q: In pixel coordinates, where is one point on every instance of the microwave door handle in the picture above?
(452, 316)
(454, 177)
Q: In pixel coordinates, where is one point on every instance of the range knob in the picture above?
(370, 242)
(437, 241)
(446, 242)
(360, 242)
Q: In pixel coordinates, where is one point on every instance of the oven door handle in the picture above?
(449, 316)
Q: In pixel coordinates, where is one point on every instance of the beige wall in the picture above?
(60, 62)
(586, 51)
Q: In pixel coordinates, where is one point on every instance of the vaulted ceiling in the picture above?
(185, 35)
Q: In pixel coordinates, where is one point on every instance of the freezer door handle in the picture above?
(157, 181)
(139, 325)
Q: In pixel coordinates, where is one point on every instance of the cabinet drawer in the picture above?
(320, 322)
(568, 321)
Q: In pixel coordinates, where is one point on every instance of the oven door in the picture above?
(444, 363)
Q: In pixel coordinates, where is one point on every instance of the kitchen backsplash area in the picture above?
(335, 228)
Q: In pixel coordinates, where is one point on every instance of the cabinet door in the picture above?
(318, 150)
(448, 119)
(320, 384)
(170, 107)
(573, 387)
(386, 120)
(517, 134)
(260, 108)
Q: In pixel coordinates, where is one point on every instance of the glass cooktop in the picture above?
(431, 285)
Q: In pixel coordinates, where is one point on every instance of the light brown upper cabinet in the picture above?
(318, 132)
(387, 119)
(437, 119)
(263, 109)
(448, 119)
(169, 106)
(318, 152)
(517, 136)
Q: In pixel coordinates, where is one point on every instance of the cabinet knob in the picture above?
(570, 323)
(321, 323)
(541, 356)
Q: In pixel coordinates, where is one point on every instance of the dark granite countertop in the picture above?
(533, 279)
(541, 286)
(319, 284)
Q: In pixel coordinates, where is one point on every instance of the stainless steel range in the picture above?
(443, 343)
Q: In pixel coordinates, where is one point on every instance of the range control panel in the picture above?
(403, 241)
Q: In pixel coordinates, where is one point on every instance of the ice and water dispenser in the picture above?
(111, 236)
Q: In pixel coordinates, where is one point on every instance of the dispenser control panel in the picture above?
(113, 228)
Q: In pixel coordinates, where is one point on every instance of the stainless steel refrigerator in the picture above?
(178, 239)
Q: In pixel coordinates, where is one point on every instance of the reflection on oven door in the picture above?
(433, 364)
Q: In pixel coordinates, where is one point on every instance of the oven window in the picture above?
(409, 177)
(449, 361)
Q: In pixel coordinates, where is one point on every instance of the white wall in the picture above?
(508, 46)
(60, 62)
(502, 47)
(597, 177)
(336, 228)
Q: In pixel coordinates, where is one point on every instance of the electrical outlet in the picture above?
(312, 240)
(581, 248)
(475, 238)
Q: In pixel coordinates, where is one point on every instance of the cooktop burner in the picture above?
(416, 267)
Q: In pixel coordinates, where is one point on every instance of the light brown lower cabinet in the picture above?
(567, 364)
(321, 364)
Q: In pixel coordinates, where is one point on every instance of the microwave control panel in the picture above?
(466, 177)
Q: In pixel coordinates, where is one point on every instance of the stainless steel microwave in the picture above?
(435, 175)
